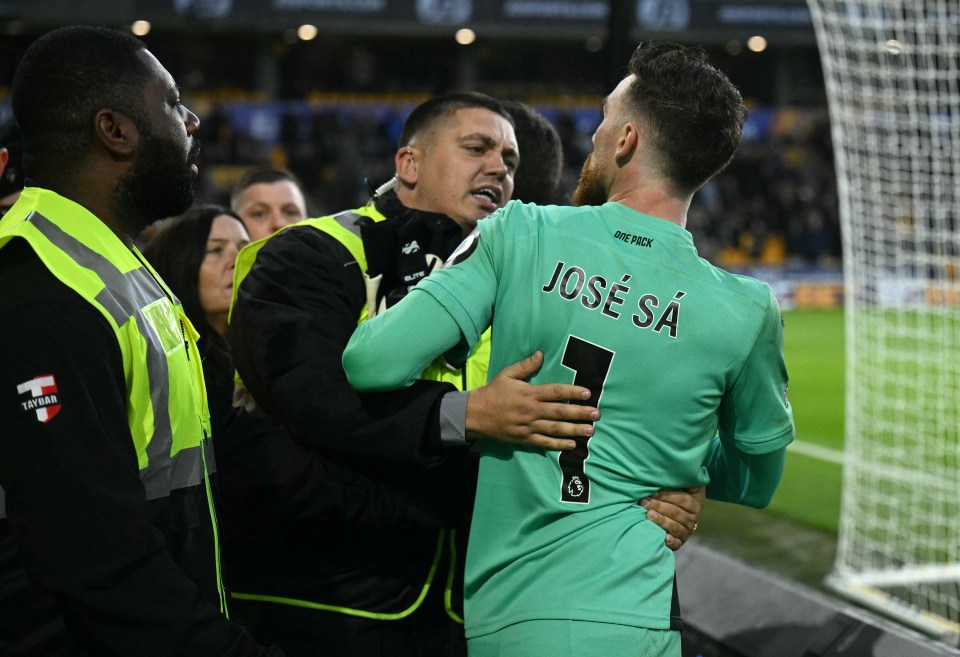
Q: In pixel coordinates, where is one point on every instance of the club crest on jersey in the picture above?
(465, 250)
(39, 396)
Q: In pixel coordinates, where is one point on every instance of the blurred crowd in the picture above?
(189, 468)
(776, 205)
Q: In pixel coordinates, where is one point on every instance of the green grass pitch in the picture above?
(810, 489)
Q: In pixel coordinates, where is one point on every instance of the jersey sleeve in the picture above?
(755, 414)
(295, 312)
(755, 422)
(444, 314)
(467, 286)
(392, 349)
(75, 505)
(741, 478)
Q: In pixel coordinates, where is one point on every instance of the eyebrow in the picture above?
(489, 142)
(224, 240)
(479, 136)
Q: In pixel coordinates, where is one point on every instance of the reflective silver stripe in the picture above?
(124, 297)
(349, 220)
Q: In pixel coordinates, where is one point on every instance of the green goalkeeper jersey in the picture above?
(675, 352)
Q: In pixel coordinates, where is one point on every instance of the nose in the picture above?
(277, 222)
(192, 121)
(497, 166)
(232, 253)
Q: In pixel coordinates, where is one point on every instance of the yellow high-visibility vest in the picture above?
(165, 394)
(345, 229)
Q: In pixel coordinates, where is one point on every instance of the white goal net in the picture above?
(892, 70)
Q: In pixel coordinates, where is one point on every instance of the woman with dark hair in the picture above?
(195, 255)
(279, 500)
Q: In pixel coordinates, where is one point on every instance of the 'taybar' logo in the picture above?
(43, 399)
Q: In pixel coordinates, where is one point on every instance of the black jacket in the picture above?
(88, 566)
(361, 491)
(295, 524)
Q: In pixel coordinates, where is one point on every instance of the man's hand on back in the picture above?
(677, 512)
(511, 410)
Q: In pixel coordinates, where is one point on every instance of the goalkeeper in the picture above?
(684, 360)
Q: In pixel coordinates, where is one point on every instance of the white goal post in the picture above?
(892, 73)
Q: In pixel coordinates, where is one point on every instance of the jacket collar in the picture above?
(446, 233)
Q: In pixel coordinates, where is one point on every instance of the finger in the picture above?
(673, 528)
(673, 542)
(547, 442)
(680, 499)
(560, 392)
(525, 368)
(567, 412)
(679, 515)
(560, 429)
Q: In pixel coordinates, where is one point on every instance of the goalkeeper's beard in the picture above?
(591, 189)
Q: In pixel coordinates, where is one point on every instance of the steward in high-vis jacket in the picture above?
(311, 581)
(108, 531)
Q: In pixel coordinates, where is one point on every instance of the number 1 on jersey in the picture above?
(590, 364)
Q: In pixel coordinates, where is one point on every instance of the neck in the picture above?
(395, 203)
(409, 199)
(444, 233)
(670, 209)
(93, 196)
(651, 196)
(218, 322)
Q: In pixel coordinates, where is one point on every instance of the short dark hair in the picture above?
(425, 114)
(64, 78)
(541, 155)
(176, 252)
(259, 175)
(693, 112)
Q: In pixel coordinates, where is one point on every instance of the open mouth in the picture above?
(491, 195)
